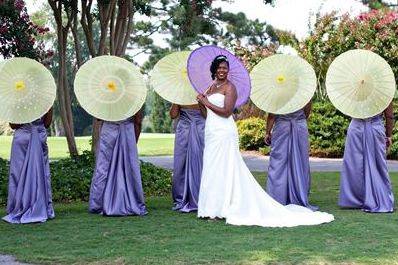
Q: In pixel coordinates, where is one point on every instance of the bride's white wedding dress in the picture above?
(229, 190)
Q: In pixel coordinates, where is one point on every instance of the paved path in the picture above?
(260, 163)
(10, 260)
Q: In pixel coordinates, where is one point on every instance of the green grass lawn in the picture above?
(167, 237)
(149, 144)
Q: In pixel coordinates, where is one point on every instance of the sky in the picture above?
(291, 15)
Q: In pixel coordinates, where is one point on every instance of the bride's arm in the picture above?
(229, 103)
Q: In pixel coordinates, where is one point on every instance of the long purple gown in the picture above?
(116, 187)
(289, 177)
(188, 160)
(365, 182)
(29, 186)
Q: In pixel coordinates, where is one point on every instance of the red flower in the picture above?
(3, 29)
(19, 4)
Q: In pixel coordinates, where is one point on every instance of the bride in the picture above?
(228, 189)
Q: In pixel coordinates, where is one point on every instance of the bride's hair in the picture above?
(216, 63)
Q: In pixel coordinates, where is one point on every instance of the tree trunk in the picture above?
(86, 21)
(74, 23)
(116, 19)
(95, 134)
(58, 128)
(64, 95)
(62, 82)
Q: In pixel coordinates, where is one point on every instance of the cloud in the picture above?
(292, 15)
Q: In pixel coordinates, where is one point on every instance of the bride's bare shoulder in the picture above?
(230, 88)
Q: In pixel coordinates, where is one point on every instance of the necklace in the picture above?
(220, 85)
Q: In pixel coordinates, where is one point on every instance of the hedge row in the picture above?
(71, 179)
(327, 131)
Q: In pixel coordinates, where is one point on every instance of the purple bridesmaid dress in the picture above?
(289, 177)
(188, 160)
(116, 188)
(29, 186)
(365, 182)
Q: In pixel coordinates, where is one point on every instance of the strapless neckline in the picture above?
(215, 94)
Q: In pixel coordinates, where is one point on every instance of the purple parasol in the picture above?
(199, 62)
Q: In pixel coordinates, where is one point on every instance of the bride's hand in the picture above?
(202, 99)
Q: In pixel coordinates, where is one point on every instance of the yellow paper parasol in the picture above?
(282, 84)
(360, 83)
(27, 90)
(110, 88)
(169, 79)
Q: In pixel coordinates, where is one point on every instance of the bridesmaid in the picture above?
(188, 156)
(29, 186)
(289, 177)
(116, 188)
(365, 183)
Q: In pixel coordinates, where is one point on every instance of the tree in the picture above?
(196, 22)
(115, 18)
(251, 57)
(375, 30)
(157, 108)
(241, 29)
(161, 121)
(378, 4)
(19, 38)
(81, 120)
(188, 22)
(18, 33)
(64, 24)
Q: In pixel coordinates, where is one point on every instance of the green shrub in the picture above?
(71, 179)
(251, 133)
(393, 154)
(3, 180)
(265, 150)
(156, 181)
(327, 130)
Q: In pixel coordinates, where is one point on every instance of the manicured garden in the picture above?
(165, 237)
